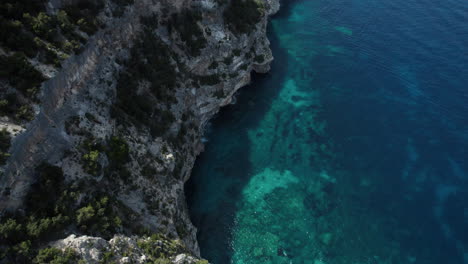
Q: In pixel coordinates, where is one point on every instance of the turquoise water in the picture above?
(353, 149)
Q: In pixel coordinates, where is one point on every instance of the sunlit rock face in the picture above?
(137, 145)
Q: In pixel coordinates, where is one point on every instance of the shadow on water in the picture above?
(212, 182)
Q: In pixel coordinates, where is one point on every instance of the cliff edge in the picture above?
(95, 152)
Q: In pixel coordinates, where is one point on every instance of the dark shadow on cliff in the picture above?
(222, 171)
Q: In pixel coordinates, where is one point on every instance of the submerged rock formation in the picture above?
(118, 127)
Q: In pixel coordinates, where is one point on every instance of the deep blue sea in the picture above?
(353, 149)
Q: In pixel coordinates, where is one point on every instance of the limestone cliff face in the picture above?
(77, 106)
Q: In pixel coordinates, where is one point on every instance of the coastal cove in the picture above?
(352, 149)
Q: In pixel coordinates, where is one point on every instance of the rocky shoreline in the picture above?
(88, 122)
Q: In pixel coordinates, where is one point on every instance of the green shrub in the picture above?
(91, 163)
(84, 14)
(10, 230)
(44, 217)
(211, 79)
(158, 247)
(13, 34)
(56, 256)
(118, 151)
(5, 140)
(181, 230)
(37, 228)
(150, 61)
(20, 73)
(107, 258)
(85, 214)
(64, 22)
(98, 218)
(8, 104)
(90, 159)
(14, 9)
(53, 206)
(259, 58)
(42, 25)
(236, 52)
(25, 112)
(162, 261)
(23, 250)
(219, 94)
(241, 16)
(14, 37)
(228, 60)
(25, 25)
(186, 24)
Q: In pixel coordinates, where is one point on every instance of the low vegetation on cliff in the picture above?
(51, 208)
(186, 24)
(54, 208)
(241, 16)
(137, 105)
(29, 37)
(4, 145)
(26, 27)
(124, 134)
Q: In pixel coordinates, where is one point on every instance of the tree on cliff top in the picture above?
(242, 15)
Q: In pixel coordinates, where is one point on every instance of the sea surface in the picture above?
(352, 150)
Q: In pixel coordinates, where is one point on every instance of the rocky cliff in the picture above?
(118, 126)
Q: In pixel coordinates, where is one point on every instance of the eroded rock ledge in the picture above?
(119, 126)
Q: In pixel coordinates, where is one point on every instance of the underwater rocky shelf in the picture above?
(351, 150)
